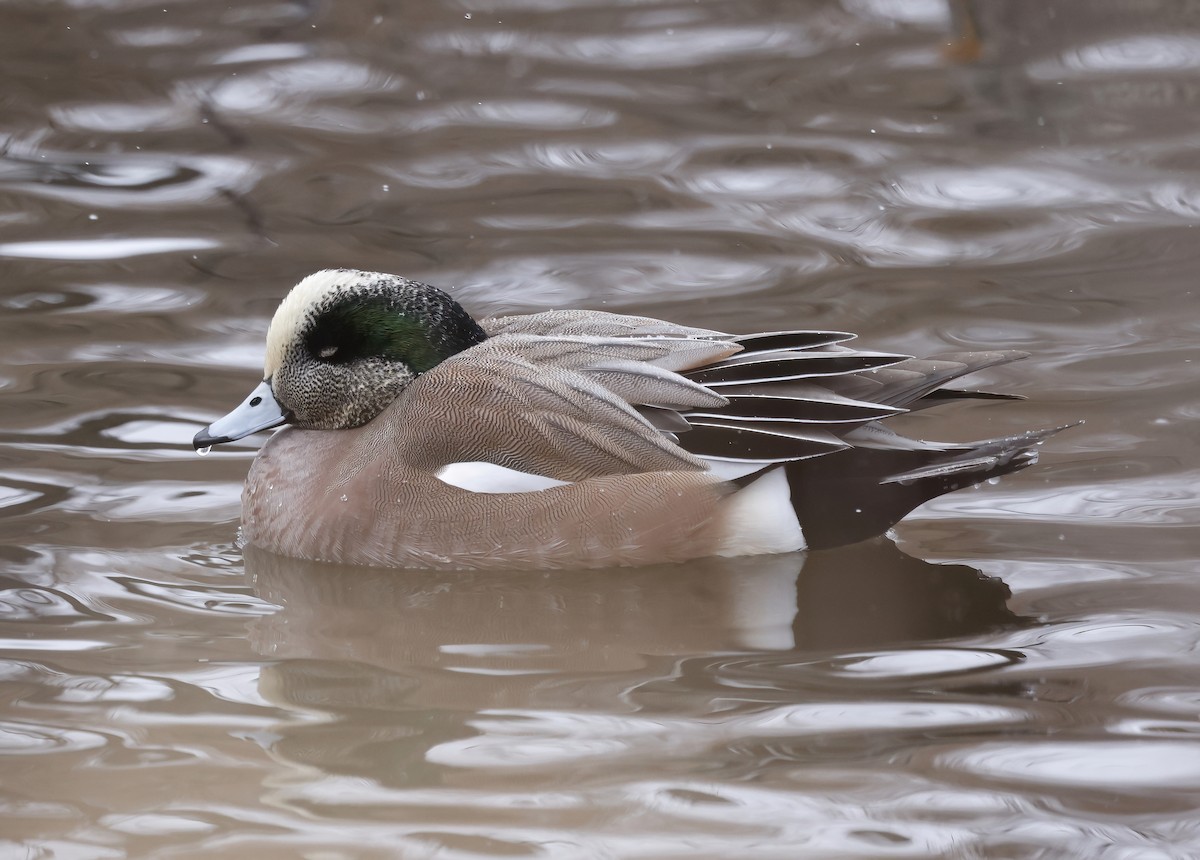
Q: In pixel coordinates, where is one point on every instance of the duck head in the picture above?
(341, 347)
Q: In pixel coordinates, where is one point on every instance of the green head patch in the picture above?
(416, 325)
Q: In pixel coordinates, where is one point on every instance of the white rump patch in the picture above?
(760, 519)
(480, 477)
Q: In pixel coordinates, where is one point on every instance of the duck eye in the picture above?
(327, 351)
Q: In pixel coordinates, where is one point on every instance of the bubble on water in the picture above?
(344, 499)
(204, 450)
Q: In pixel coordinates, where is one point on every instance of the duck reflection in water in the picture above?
(421, 655)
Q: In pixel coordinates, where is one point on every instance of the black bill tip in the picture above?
(205, 440)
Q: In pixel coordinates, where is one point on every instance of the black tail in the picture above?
(861, 492)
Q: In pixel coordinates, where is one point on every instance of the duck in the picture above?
(413, 435)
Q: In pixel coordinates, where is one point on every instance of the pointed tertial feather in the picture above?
(643, 384)
(970, 362)
(592, 324)
(627, 444)
(577, 351)
(770, 341)
(540, 418)
(982, 456)
(906, 382)
(684, 354)
(665, 420)
(799, 401)
(750, 440)
(879, 437)
(670, 353)
(944, 395)
(791, 365)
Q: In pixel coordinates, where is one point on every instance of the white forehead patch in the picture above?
(296, 306)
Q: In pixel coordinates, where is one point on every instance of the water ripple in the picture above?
(103, 249)
(525, 739)
(17, 738)
(658, 49)
(1101, 766)
(288, 91)
(920, 662)
(1143, 53)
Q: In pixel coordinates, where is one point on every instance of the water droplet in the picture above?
(204, 450)
(344, 499)
(994, 481)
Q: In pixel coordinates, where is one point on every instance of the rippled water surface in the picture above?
(1016, 677)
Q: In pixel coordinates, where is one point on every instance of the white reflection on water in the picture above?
(18, 738)
(917, 662)
(1162, 499)
(1145, 53)
(261, 52)
(102, 249)
(127, 117)
(1000, 187)
(531, 739)
(660, 48)
(286, 92)
(1106, 766)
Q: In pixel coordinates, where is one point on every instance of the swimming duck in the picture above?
(417, 436)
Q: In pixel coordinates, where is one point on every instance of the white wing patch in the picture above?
(480, 477)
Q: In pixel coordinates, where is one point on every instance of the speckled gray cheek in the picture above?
(367, 388)
(323, 396)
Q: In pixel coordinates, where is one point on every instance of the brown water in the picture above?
(1020, 678)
